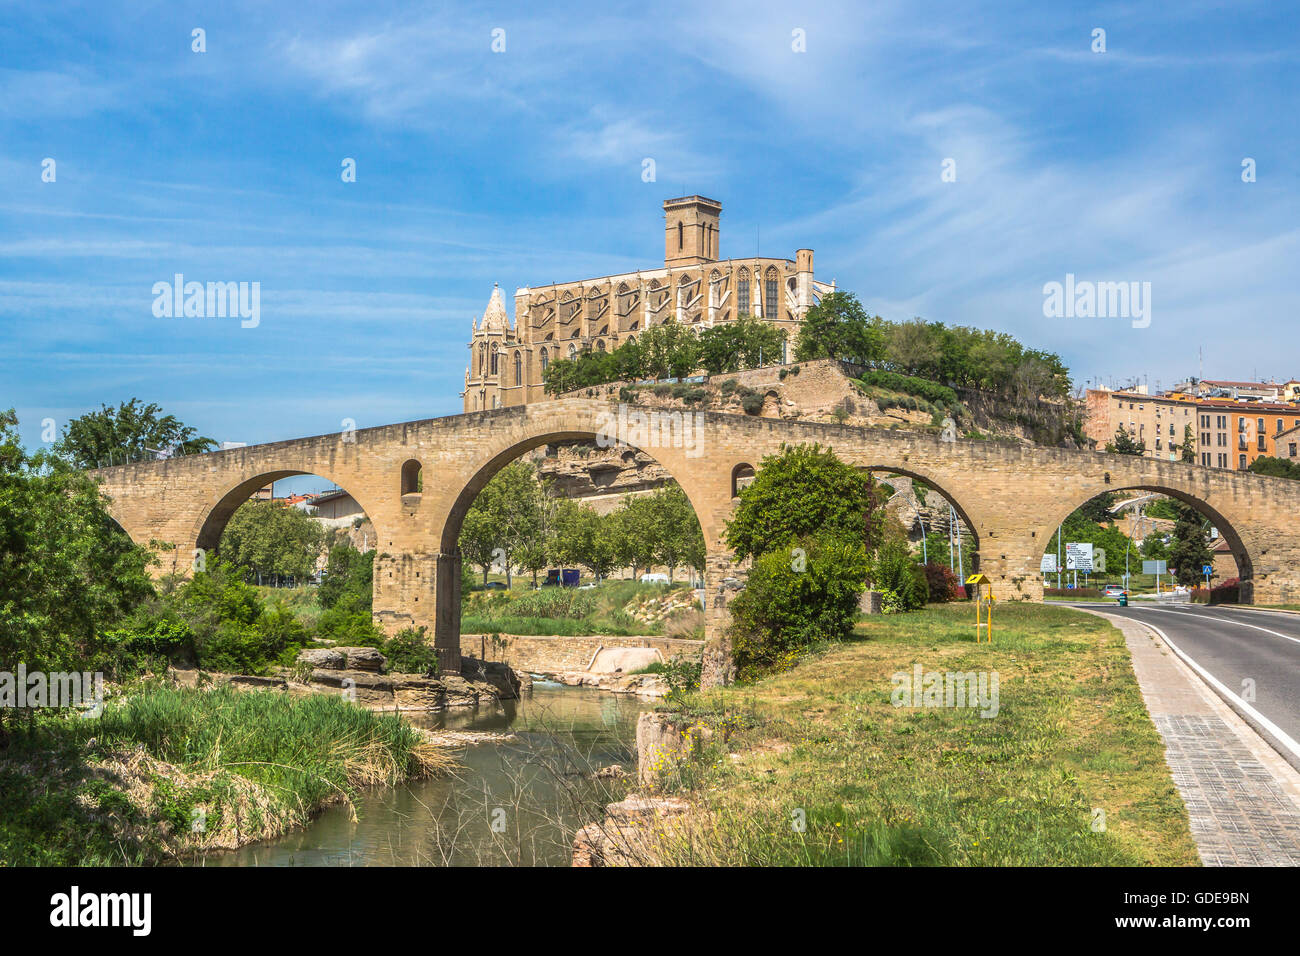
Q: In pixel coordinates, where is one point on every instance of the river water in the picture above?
(511, 803)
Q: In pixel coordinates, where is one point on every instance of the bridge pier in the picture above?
(722, 579)
(446, 628)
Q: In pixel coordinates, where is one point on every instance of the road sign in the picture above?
(1078, 556)
(1048, 565)
(1207, 569)
(1154, 567)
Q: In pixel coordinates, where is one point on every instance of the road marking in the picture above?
(1278, 733)
(1228, 620)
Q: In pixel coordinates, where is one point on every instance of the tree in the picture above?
(1276, 467)
(584, 537)
(839, 328)
(130, 432)
(746, 342)
(269, 539)
(1125, 444)
(804, 490)
(478, 539)
(67, 571)
(1189, 552)
(1188, 453)
(506, 515)
(678, 538)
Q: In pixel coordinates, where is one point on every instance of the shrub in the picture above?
(752, 403)
(663, 390)
(727, 387)
(794, 369)
(409, 652)
(1228, 592)
(783, 373)
(910, 385)
(942, 583)
(901, 581)
(793, 600)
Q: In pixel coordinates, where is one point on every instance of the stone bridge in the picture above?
(1012, 496)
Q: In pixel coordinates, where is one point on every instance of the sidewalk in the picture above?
(1242, 798)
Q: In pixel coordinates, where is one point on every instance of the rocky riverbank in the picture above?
(361, 675)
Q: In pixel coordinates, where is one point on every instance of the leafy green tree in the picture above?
(349, 579)
(268, 539)
(478, 539)
(805, 490)
(1275, 467)
(1125, 444)
(746, 342)
(582, 537)
(1189, 551)
(678, 538)
(67, 571)
(838, 327)
(505, 517)
(131, 432)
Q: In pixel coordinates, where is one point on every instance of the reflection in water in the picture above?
(515, 803)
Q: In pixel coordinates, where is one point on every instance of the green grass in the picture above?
(569, 612)
(879, 784)
(254, 760)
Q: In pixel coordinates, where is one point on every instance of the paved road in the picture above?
(1236, 646)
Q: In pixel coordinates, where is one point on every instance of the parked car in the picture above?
(1113, 590)
(495, 586)
(655, 578)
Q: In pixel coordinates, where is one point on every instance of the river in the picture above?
(512, 803)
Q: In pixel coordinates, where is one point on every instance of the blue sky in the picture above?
(525, 167)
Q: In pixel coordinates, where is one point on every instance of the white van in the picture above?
(656, 578)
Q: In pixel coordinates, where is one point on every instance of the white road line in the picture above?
(1280, 735)
(1228, 620)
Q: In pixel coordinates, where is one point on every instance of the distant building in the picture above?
(1287, 443)
(339, 504)
(692, 288)
(1158, 420)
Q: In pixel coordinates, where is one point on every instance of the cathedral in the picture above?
(693, 287)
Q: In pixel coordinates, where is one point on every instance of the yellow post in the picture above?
(983, 607)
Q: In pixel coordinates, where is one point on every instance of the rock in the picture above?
(501, 676)
(364, 659)
(663, 743)
(629, 833)
(323, 657)
(870, 602)
(614, 771)
(361, 687)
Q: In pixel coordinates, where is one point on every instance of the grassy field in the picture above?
(571, 612)
(823, 746)
(129, 786)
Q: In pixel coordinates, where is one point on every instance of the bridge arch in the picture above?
(476, 478)
(1241, 551)
(214, 517)
(932, 482)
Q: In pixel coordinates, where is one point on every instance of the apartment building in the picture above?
(1158, 420)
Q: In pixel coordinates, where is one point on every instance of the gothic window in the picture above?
(546, 360)
(573, 350)
(600, 345)
(742, 293)
(679, 237)
(494, 359)
(772, 308)
(482, 359)
(519, 369)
